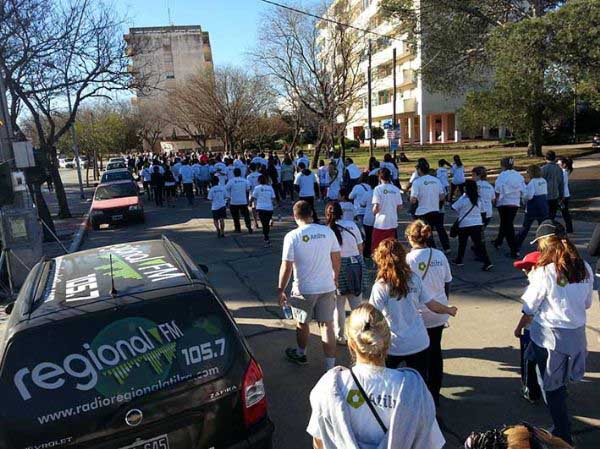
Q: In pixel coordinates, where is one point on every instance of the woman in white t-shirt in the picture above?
(458, 177)
(357, 195)
(352, 268)
(398, 292)
(554, 307)
(335, 182)
(369, 405)
(470, 225)
(262, 198)
(323, 173)
(433, 268)
(369, 217)
(387, 200)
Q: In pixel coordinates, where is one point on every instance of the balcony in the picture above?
(410, 105)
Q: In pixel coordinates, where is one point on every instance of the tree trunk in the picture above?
(317, 154)
(59, 188)
(43, 211)
(537, 131)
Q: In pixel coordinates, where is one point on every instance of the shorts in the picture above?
(220, 214)
(319, 307)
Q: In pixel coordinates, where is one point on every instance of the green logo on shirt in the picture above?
(563, 281)
(422, 266)
(305, 238)
(355, 399)
(386, 191)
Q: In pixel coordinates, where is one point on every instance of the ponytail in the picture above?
(565, 257)
(333, 213)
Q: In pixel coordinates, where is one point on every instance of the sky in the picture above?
(232, 24)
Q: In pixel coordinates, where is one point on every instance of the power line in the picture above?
(326, 19)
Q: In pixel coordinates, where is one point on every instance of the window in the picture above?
(170, 75)
(384, 97)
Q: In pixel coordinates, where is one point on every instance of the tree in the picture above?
(377, 133)
(150, 121)
(315, 64)
(53, 54)
(228, 104)
(538, 65)
(458, 40)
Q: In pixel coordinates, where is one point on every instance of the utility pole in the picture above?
(370, 106)
(395, 95)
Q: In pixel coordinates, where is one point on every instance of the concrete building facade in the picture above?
(163, 57)
(424, 117)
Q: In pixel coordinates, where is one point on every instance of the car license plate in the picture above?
(117, 217)
(161, 442)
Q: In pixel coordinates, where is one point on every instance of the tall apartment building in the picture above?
(424, 116)
(163, 57)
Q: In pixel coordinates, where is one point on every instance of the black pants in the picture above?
(435, 371)
(288, 188)
(553, 206)
(311, 200)
(368, 240)
(453, 187)
(418, 362)
(188, 189)
(507, 228)
(265, 221)
(473, 232)
(158, 195)
(235, 214)
(567, 215)
(436, 221)
(529, 380)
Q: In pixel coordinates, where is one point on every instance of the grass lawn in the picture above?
(488, 157)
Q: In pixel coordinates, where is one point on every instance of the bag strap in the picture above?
(465, 215)
(369, 403)
(349, 232)
(428, 263)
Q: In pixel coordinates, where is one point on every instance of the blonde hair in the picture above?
(418, 232)
(390, 257)
(368, 332)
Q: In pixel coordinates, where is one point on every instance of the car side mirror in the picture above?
(9, 308)
(203, 267)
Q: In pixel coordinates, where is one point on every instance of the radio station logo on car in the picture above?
(127, 354)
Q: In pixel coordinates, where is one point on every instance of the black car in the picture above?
(127, 347)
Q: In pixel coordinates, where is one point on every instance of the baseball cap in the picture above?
(422, 164)
(548, 228)
(528, 261)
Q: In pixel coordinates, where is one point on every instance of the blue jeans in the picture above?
(555, 400)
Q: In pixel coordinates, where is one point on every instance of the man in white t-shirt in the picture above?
(387, 201)
(306, 185)
(312, 253)
(237, 190)
(302, 159)
(427, 193)
(186, 173)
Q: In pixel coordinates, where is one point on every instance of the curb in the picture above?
(80, 234)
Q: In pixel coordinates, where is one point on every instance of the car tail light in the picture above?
(253, 395)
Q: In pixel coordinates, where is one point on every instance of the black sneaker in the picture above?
(457, 263)
(293, 356)
(488, 267)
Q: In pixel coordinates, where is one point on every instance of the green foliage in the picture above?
(378, 133)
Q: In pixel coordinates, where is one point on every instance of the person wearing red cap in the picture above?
(530, 388)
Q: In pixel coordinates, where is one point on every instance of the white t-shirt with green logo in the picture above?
(389, 197)
(309, 247)
(388, 390)
(434, 282)
(427, 190)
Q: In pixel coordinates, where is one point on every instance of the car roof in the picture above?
(116, 170)
(82, 283)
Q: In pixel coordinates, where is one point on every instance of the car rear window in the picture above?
(93, 365)
(115, 176)
(122, 190)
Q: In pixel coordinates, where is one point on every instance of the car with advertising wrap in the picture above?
(116, 201)
(127, 347)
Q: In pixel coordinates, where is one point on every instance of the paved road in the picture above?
(481, 387)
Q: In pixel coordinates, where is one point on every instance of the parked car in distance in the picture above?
(115, 165)
(117, 201)
(134, 350)
(83, 161)
(118, 174)
(117, 159)
(68, 162)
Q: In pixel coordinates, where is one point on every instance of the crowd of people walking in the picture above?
(394, 333)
